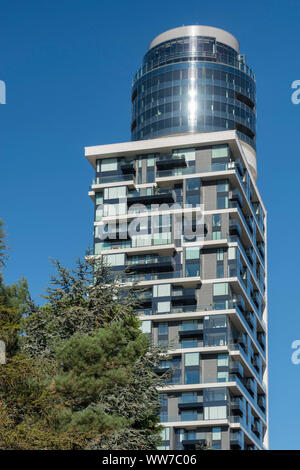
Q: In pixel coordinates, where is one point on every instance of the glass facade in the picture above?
(193, 84)
(183, 219)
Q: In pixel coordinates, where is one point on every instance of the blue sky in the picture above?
(68, 66)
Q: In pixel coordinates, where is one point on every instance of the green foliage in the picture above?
(12, 301)
(78, 301)
(81, 373)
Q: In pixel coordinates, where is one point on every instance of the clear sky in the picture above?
(68, 66)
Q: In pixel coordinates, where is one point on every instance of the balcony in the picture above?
(235, 227)
(249, 254)
(237, 369)
(238, 166)
(250, 320)
(147, 265)
(191, 332)
(145, 298)
(158, 197)
(167, 162)
(118, 177)
(242, 341)
(236, 440)
(255, 428)
(128, 168)
(261, 249)
(185, 296)
(190, 405)
(261, 401)
(237, 406)
(239, 302)
(262, 340)
(236, 197)
(256, 363)
(193, 444)
(256, 298)
(249, 384)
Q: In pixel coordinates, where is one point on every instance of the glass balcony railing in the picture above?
(240, 420)
(103, 179)
(153, 276)
(236, 437)
(149, 260)
(192, 170)
(191, 326)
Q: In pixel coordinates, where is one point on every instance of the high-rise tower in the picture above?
(192, 158)
(194, 79)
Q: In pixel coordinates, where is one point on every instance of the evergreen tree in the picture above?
(84, 377)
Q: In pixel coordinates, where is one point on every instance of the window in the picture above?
(146, 326)
(220, 288)
(222, 376)
(215, 321)
(115, 260)
(222, 195)
(220, 270)
(220, 151)
(163, 407)
(193, 199)
(193, 191)
(165, 437)
(193, 184)
(99, 213)
(116, 192)
(215, 339)
(98, 198)
(216, 220)
(114, 209)
(220, 263)
(222, 360)
(109, 164)
(165, 434)
(162, 290)
(162, 329)
(191, 359)
(216, 434)
(163, 333)
(192, 269)
(150, 170)
(163, 238)
(215, 412)
(163, 307)
(191, 375)
(222, 202)
(192, 253)
(141, 240)
(189, 343)
(190, 397)
(187, 325)
(215, 395)
(189, 415)
(216, 226)
(192, 256)
(217, 235)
